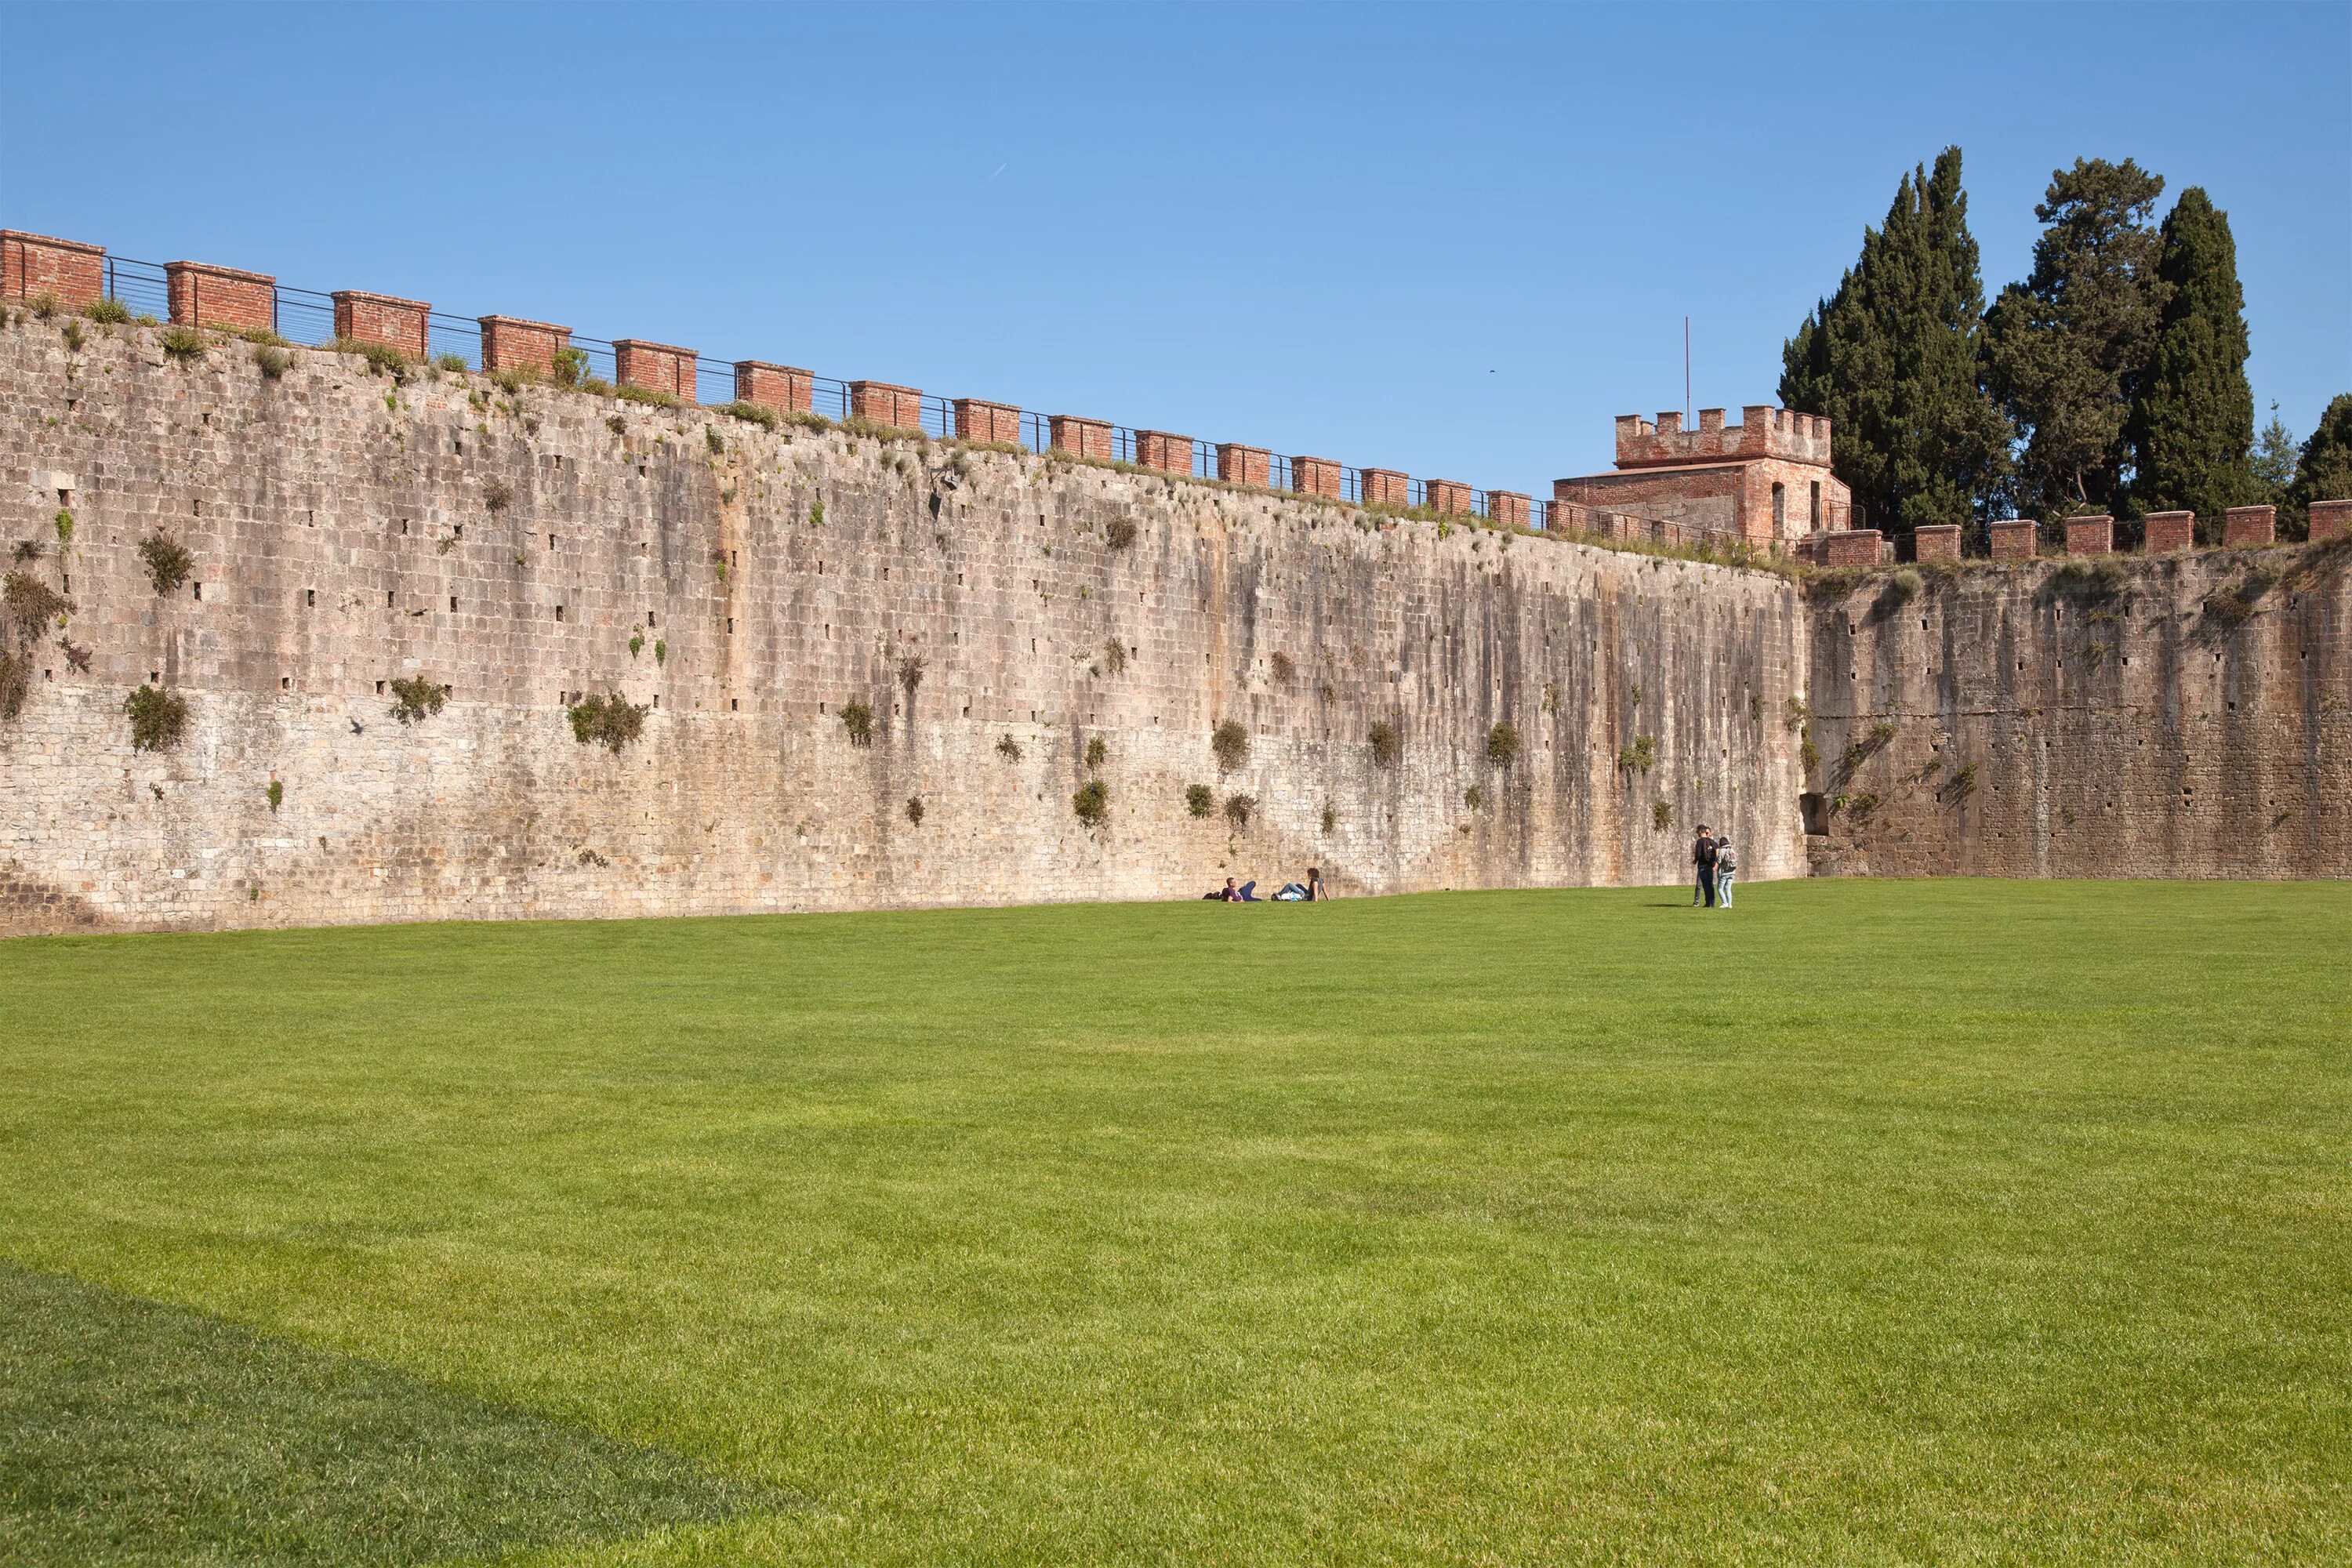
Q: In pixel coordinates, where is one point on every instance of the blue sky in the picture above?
(1453, 240)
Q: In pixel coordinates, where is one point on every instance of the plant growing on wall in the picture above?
(1092, 803)
(1009, 749)
(108, 312)
(608, 720)
(1283, 668)
(1386, 746)
(157, 719)
(661, 651)
(911, 674)
(1121, 532)
(636, 643)
(168, 562)
(1230, 743)
(570, 365)
(29, 607)
(498, 495)
(1114, 658)
(1096, 752)
(183, 343)
(1662, 816)
(417, 699)
(277, 794)
(65, 528)
(914, 809)
(1639, 757)
(857, 722)
(1330, 817)
(1474, 797)
(1199, 799)
(1503, 745)
(751, 414)
(1237, 811)
(272, 363)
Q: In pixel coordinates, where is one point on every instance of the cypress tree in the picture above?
(2192, 421)
(2326, 472)
(1893, 359)
(2066, 347)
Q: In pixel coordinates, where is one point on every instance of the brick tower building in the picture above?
(1766, 478)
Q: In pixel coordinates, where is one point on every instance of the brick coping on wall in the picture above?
(1386, 491)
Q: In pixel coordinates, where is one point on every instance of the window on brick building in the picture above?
(1779, 509)
(1817, 505)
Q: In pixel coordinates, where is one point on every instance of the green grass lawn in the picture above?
(1945, 1222)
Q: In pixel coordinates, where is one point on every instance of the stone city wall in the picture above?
(2184, 716)
(999, 614)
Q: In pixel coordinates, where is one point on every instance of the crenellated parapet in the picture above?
(1763, 431)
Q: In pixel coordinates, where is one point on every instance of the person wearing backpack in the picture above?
(1727, 867)
(1702, 862)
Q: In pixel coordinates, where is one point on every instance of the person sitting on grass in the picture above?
(1727, 867)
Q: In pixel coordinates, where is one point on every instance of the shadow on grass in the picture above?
(138, 1433)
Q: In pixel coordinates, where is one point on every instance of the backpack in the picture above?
(1727, 860)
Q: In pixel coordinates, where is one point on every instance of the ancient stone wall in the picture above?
(999, 614)
(2102, 717)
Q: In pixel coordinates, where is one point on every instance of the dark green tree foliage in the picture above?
(2192, 423)
(2276, 452)
(2065, 348)
(1893, 359)
(2326, 472)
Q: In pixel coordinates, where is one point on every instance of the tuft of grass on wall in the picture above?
(1230, 743)
(608, 720)
(158, 718)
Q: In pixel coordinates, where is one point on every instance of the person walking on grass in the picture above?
(1703, 860)
(1727, 868)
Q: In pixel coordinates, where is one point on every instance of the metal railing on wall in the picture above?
(304, 315)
